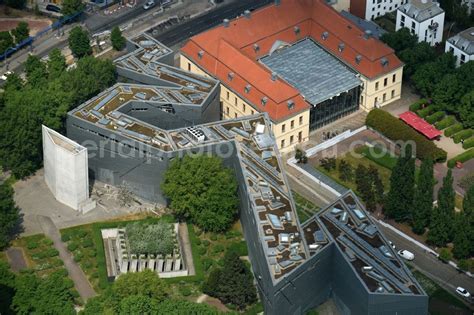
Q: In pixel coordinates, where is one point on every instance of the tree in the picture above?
(465, 108)
(233, 283)
(468, 213)
(138, 305)
(185, 307)
(6, 41)
(365, 187)
(448, 93)
(79, 42)
(346, 173)
(9, 215)
(427, 76)
(416, 56)
(441, 224)
(328, 163)
(36, 72)
(400, 40)
(202, 190)
(423, 203)
(399, 200)
(377, 183)
(463, 246)
(300, 156)
(56, 63)
(71, 7)
(7, 288)
(21, 32)
(144, 283)
(118, 41)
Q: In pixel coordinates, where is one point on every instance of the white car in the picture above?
(463, 292)
(5, 75)
(149, 4)
(406, 254)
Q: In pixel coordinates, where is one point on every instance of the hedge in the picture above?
(462, 135)
(445, 122)
(396, 130)
(468, 143)
(463, 157)
(437, 116)
(453, 129)
(426, 111)
(417, 105)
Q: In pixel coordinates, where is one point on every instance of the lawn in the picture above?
(354, 159)
(304, 208)
(441, 301)
(378, 155)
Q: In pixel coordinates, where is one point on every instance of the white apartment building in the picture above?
(462, 46)
(425, 18)
(372, 9)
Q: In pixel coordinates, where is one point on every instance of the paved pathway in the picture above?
(16, 258)
(188, 254)
(75, 273)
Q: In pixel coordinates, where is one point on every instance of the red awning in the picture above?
(420, 125)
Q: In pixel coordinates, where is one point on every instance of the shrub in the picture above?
(197, 231)
(240, 248)
(431, 119)
(87, 265)
(78, 257)
(445, 255)
(397, 130)
(65, 237)
(82, 233)
(48, 242)
(31, 245)
(462, 135)
(417, 105)
(62, 272)
(68, 283)
(198, 241)
(426, 111)
(207, 263)
(38, 256)
(463, 264)
(453, 129)
(92, 253)
(445, 122)
(202, 250)
(58, 262)
(206, 243)
(468, 143)
(72, 247)
(463, 157)
(53, 252)
(185, 291)
(218, 248)
(95, 275)
(87, 243)
(213, 237)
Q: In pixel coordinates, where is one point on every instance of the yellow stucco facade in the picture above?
(382, 90)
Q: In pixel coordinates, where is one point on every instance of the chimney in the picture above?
(226, 22)
(247, 14)
(367, 34)
(274, 76)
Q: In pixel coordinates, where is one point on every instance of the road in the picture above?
(214, 17)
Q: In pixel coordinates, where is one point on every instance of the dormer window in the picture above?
(297, 30)
(256, 47)
(384, 62)
(230, 76)
(340, 47)
(291, 104)
(264, 100)
(200, 54)
(325, 35)
(247, 88)
(358, 59)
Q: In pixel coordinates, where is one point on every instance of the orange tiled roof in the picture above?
(232, 49)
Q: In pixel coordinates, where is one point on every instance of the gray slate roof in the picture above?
(464, 41)
(421, 10)
(313, 71)
(364, 25)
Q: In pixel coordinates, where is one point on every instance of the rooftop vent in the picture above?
(297, 30)
(247, 14)
(256, 47)
(291, 104)
(358, 59)
(264, 100)
(247, 88)
(367, 34)
(340, 47)
(324, 35)
(230, 76)
(384, 62)
(226, 22)
(274, 76)
(200, 54)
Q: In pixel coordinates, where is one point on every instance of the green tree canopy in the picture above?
(21, 32)
(9, 215)
(6, 41)
(428, 75)
(202, 190)
(118, 41)
(400, 40)
(56, 63)
(72, 6)
(138, 305)
(145, 283)
(442, 219)
(16, 4)
(462, 239)
(36, 73)
(79, 42)
(7, 288)
(423, 203)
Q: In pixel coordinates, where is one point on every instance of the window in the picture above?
(227, 110)
(243, 107)
(301, 120)
(394, 78)
(292, 124)
(189, 66)
(393, 93)
(235, 101)
(291, 139)
(282, 143)
(235, 115)
(451, 49)
(376, 86)
(362, 99)
(384, 98)
(300, 136)
(385, 81)
(227, 95)
(252, 112)
(283, 127)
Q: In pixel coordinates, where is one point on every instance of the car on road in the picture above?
(406, 254)
(463, 292)
(5, 75)
(149, 4)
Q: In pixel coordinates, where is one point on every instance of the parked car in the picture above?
(53, 8)
(406, 254)
(5, 75)
(463, 292)
(149, 4)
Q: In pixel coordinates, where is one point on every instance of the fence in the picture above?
(29, 41)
